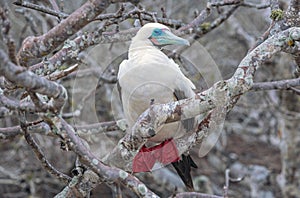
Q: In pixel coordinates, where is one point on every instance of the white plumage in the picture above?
(149, 75)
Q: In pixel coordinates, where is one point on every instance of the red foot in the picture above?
(165, 153)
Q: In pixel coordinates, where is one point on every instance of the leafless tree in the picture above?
(46, 49)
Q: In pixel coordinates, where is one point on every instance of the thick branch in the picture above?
(21, 77)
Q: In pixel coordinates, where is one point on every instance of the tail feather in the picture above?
(183, 168)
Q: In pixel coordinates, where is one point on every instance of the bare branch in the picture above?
(10, 43)
(225, 3)
(63, 73)
(195, 195)
(12, 132)
(106, 173)
(282, 84)
(40, 8)
(72, 48)
(241, 3)
(32, 82)
(207, 27)
(42, 158)
(254, 5)
(43, 129)
(35, 47)
(197, 21)
(16, 105)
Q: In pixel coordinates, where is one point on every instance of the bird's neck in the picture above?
(139, 49)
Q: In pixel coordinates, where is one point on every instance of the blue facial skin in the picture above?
(163, 37)
(157, 32)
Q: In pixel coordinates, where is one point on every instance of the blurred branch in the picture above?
(282, 84)
(297, 91)
(274, 4)
(277, 17)
(195, 195)
(54, 5)
(241, 3)
(98, 127)
(255, 5)
(10, 43)
(82, 130)
(197, 21)
(265, 35)
(41, 8)
(202, 28)
(225, 3)
(207, 27)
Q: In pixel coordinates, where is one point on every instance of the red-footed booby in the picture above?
(149, 76)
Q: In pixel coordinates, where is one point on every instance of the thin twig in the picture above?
(42, 9)
(10, 43)
(42, 158)
(195, 195)
(197, 21)
(281, 84)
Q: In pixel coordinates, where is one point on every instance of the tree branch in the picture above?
(40, 8)
(23, 78)
(282, 84)
(106, 173)
(195, 195)
(42, 158)
(36, 47)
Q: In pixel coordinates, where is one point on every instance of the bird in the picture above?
(148, 77)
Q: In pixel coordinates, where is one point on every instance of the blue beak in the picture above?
(167, 38)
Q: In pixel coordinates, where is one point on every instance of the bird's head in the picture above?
(159, 35)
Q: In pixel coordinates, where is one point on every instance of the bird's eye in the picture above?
(157, 32)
